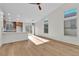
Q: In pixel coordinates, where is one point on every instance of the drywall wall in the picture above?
(1, 26)
(0, 31)
(56, 25)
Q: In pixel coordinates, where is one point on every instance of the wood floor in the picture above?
(27, 48)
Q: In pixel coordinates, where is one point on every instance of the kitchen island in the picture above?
(9, 37)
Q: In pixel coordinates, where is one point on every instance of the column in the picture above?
(24, 27)
(1, 26)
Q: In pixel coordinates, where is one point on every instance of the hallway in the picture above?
(28, 48)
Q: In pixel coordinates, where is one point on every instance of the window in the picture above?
(46, 26)
(28, 28)
(9, 27)
(70, 22)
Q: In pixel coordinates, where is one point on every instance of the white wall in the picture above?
(1, 25)
(0, 31)
(56, 25)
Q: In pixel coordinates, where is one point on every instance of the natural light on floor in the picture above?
(37, 40)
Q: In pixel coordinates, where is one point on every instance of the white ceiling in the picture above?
(27, 12)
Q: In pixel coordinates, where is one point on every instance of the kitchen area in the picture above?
(12, 31)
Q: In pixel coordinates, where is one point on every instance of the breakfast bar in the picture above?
(8, 37)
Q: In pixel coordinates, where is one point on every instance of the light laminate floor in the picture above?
(28, 48)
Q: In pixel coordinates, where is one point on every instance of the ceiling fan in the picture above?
(38, 4)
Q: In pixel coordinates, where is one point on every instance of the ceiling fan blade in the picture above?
(39, 7)
(38, 4)
(35, 3)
